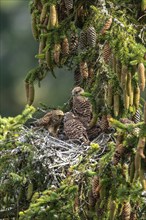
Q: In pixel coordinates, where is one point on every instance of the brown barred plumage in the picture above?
(107, 25)
(84, 69)
(91, 36)
(106, 52)
(81, 106)
(65, 47)
(51, 121)
(74, 129)
(126, 211)
(118, 154)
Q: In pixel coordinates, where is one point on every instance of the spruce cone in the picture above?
(68, 4)
(106, 52)
(91, 36)
(62, 11)
(126, 211)
(74, 44)
(65, 47)
(77, 77)
(92, 200)
(107, 25)
(83, 40)
(104, 123)
(95, 186)
(141, 75)
(56, 54)
(136, 117)
(84, 70)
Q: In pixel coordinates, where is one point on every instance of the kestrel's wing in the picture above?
(44, 121)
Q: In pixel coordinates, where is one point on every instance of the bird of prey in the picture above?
(51, 121)
(81, 106)
(74, 129)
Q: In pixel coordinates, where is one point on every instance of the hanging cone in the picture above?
(136, 117)
(124, 72)
(91, 36)
(83, 40)
(65, 47)
(107, 25)
(84, 70)
(77, 77)
(106, 52)
(74, 44)
(34, 28)
(116, 105)
(109, 96)
(43, 13)
(136, 96)
(104, 123)
(68, 4)
(141, 75)
(53, 20)
(62, 11)
(91, 199)
(95, 186)
(126, 211)
(56, 54)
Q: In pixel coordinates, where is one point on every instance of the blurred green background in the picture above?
(17, 57)
(17, 52)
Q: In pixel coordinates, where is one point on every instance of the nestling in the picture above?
(51, 121)
(74, 129)
(81, 106)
